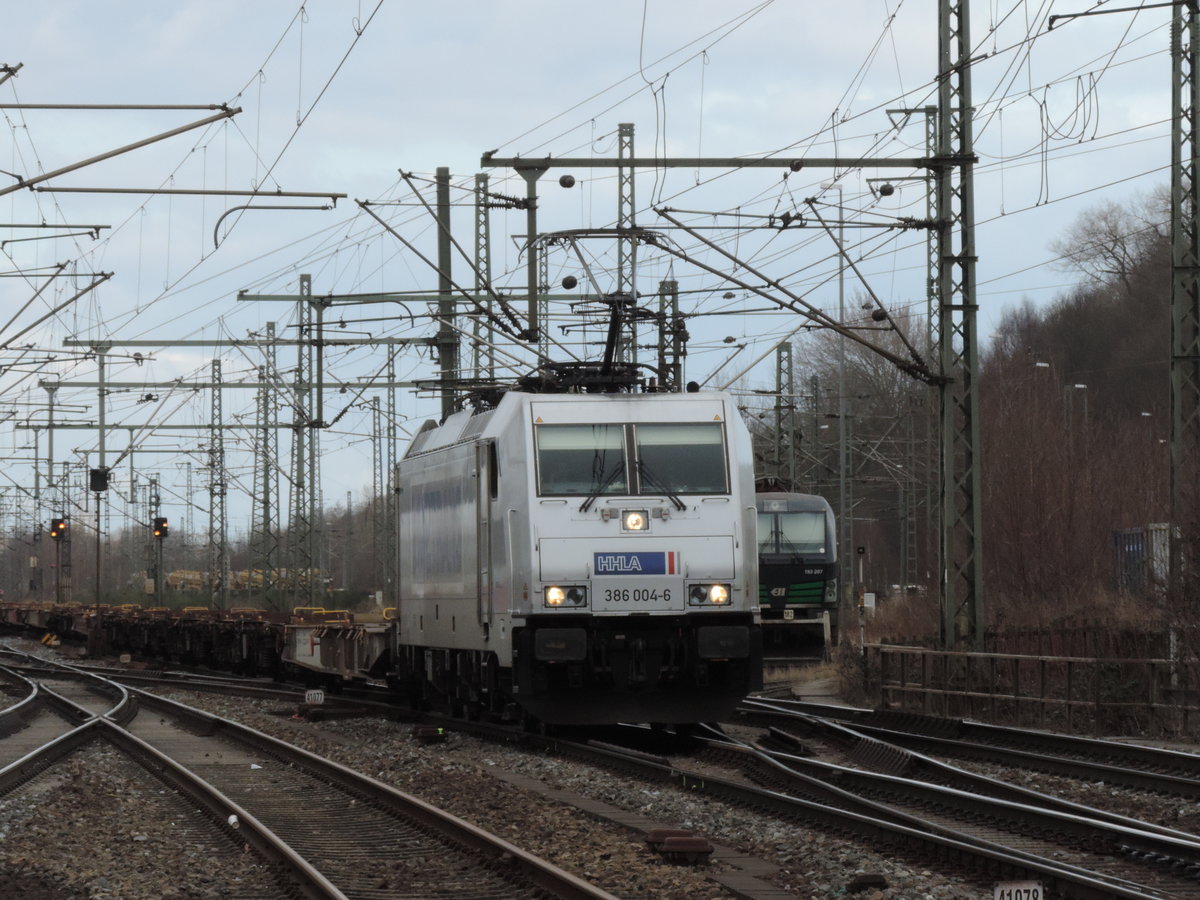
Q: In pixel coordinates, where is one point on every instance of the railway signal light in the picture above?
(58, 527)
(161, 529)
(98, 479)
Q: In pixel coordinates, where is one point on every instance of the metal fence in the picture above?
(1082, 695)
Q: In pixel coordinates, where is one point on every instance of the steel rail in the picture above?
(535, 870)
(15, 717)
(227, 815)
(1047, 814)
(224, 810)
(1090, 769)
(1065, 747)
(37, 761)
(124, 703)
(869, 820)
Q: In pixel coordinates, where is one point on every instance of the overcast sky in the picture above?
(341, 96)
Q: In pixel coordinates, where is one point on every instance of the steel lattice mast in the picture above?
(785, 415)
(218, 527)
(626, 246)
(266, 470)
(483, 356)
(391, 564)
(1185, 306)
(379, 498)
(302, 534)
(953, 164)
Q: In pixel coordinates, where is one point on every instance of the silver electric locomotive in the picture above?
(581, 559)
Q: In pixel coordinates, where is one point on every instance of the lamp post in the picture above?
(1069, 391)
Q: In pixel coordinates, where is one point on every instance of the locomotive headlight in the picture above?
(557, 596)
(634, 520)
(708, 595)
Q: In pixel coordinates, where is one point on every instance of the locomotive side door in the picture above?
(486, 487)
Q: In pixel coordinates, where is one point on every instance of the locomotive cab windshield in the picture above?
(793, 533)
(631, 460)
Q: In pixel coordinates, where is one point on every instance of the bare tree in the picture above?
(1110, 241)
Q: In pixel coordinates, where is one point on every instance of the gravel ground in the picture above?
(105, 813)
(96, 827)
(100, 810)
(1170, 812)
(457, 776)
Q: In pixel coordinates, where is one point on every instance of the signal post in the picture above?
(58, 533)
(160, 529)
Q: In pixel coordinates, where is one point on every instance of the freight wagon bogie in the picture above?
(465, 683)
(332, 657)
(216, 641)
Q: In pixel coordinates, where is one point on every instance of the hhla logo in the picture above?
(616, 562)
(643, 563)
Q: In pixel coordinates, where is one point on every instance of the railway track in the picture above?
(922, 827)
(30, 720)
(1168, 772)
(1057, 839)
(942, 811)
(80, 730)
(905, 778)
(328, 831)
(921, 810)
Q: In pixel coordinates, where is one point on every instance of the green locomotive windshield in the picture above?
(581, 459)
(791, 532)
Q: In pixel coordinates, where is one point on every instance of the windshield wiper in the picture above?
(654, 481)
(609, 479)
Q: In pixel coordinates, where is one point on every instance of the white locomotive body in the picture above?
(587, 558)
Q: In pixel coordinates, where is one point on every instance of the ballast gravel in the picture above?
(96, 827)
(460, 777)
(69, 833)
